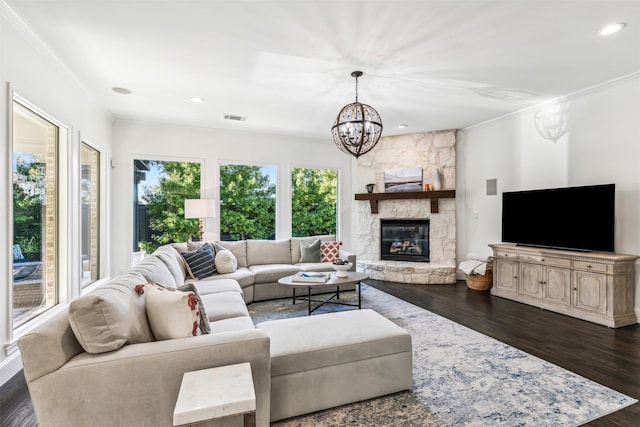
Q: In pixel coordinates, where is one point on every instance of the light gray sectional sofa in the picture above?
(98, 363)
(262, 262)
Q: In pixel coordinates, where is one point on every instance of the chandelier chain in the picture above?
(356, 88)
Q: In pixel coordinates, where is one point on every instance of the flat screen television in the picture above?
(573, 218)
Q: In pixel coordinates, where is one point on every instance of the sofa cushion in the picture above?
(239, 249)
(174, 262)
(109, 317)
(272, 272)
(242, 275)
(224, 305)
(295, 244)
(315, 266)
(226, 261)
(213, 286)
(201, 262)
(155, 271)
(232, 324)
(305, 343)
(310, 251)
(268, 252)
(174, 313)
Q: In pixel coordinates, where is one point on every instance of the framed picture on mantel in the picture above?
(402, 180)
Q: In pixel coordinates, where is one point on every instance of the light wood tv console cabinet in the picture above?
(593, 286)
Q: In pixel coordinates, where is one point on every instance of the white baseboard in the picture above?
(9, 367)
(637, 311)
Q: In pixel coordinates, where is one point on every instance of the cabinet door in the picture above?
(530, 283)
(506, 275)
(557, 286)
(590, 291)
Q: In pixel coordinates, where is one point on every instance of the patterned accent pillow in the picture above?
(200, 263)
(310, 251)
(173, 313)
(329, 251)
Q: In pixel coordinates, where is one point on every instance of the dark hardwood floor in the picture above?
(608, 356)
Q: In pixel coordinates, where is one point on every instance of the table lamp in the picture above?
(199, 208)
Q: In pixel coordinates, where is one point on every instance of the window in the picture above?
(313, 201)
(247, 202)
(90, 213)
(35, 187)
(160, 188)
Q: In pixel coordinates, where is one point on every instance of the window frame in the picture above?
(99, 213)
(63, 212)
(153, 157)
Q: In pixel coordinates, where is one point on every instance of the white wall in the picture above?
(602, 146)
(154, 141)
(36, 75)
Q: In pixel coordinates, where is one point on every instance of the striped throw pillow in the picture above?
(200, 263)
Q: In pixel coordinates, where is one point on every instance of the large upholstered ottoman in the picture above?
(327, 360)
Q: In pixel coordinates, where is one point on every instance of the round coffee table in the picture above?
(353, 278)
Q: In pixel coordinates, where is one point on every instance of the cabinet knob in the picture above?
(589, 266)
(515, 277)
(542, 260)
(575, 289)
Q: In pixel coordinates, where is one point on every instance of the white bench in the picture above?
(328, 360)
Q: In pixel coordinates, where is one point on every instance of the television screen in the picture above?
(574, 218)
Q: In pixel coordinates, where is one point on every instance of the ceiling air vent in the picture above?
(237, 118)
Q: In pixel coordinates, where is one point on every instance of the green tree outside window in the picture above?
(247, 202)
(313, 201)
(165, 203)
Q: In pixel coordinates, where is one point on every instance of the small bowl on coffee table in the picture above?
(341, 269)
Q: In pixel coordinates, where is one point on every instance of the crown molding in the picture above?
(12, 17)
(582, 92)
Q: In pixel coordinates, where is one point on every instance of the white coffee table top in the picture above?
(352, 278)
(215, 393)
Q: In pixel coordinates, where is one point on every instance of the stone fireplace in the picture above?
(430, 151)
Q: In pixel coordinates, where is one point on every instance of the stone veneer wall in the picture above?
(430, 151)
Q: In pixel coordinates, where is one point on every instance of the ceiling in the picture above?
(286, 65)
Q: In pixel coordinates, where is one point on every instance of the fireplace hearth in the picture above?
(404, 239)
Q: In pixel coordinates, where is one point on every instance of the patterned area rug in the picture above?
(460, 377)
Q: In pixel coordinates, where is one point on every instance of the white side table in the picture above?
(215, 393)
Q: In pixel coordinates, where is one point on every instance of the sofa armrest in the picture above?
(351, 257)
(139, 383)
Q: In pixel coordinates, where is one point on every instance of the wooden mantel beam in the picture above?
(433, 196)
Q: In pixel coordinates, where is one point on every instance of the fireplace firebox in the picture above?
(404, 239)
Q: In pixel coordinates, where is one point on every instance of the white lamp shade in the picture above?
(199, 208)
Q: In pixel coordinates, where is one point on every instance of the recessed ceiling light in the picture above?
(197, 99)
(121, 90)
(403, 126)
(613, 28)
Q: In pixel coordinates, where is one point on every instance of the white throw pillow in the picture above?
(225, 262)
(172, 313)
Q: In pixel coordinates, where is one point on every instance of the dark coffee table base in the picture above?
(329, 300)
